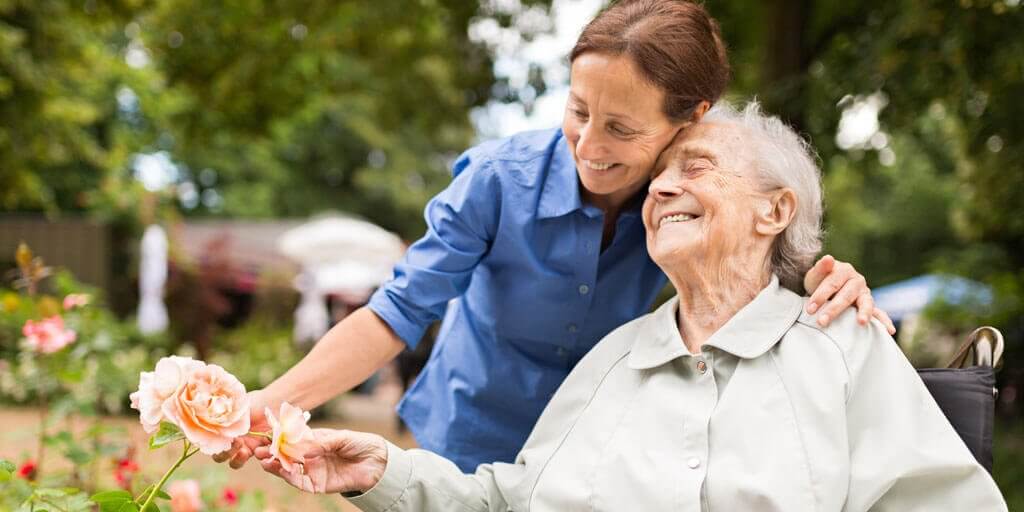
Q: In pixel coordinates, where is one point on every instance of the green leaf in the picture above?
(130, 506)
(167, 434)
(105, 496)
(52, 493)
(78, 455)
(163, 495)
(152, 507)
(8, 466)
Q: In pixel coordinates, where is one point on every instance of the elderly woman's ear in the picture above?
(776, 212)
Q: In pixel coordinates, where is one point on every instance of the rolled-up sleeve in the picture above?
(904, 454)
(461, 224)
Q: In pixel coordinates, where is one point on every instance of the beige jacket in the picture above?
(775, 413)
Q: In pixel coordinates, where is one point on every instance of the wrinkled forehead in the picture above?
(719, 142)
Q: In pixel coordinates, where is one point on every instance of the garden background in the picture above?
(123, 113)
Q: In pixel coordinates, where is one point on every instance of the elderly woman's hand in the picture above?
(837, 286)
(337, 461)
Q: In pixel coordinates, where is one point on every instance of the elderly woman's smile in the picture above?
(702, 199)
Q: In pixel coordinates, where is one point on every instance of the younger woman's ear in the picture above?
(777, 212)
(698, 113)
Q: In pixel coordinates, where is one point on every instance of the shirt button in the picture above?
(584, 289)
(572, 328)
(702, 366)
(694, 463)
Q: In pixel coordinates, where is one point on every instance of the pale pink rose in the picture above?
(75, 300)
(185, 496)
(211, 409)
(48, 335)
(157, 387)
(290, 437)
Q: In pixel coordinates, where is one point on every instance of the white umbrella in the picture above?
(329, 240)
(338, 255)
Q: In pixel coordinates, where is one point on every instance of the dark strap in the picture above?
(983, 347)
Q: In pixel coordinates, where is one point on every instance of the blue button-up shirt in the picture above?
(512, 259)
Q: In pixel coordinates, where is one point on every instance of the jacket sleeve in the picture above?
(419, 480)
(462, 222)
(904, 454)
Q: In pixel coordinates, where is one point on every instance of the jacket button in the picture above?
(694, 463)
(702, 366)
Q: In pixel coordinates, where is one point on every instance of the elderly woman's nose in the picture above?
(663, 188)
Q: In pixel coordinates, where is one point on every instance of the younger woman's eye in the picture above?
(620, 131)
(579, 113)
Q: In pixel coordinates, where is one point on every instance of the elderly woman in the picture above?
(536, 250)
(729, 396)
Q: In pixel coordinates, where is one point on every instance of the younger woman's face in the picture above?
(615, 127)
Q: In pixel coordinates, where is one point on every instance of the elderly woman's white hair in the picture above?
(783, 159)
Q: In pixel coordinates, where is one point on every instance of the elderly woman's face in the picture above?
(703, 200)
(614, 125)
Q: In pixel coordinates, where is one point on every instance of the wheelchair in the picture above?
(966, 390)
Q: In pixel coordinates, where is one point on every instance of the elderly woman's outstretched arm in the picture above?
(377, 475)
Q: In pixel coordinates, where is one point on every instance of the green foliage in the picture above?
(166, 434)
(93, 375)
(61, 67)
(256, 352)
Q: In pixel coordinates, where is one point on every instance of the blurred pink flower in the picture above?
(185, 496)
(229, 497)
(75, 300)
(125, 470)
(290, 437)
(28, 470)
(158, 386)
(48, 335)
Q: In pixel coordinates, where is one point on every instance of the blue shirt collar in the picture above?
(561, 193)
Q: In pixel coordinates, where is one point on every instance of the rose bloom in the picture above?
(211, 409)
(229, 497)
(48, 336)
(158, 386)
(75, 300)
(125, 472)
(290, 435)
(185, 496)
(28, 470)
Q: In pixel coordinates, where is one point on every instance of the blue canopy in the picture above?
(913, 295)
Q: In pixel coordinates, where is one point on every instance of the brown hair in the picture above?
(675, 43)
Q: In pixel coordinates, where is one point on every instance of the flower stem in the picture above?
(156, 488)
(41, 450)
(267, 435)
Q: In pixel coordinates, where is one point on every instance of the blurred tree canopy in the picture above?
(940, 186)
(61, 69)
(285, 108)
(266, 109)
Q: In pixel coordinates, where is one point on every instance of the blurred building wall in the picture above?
(80, 245)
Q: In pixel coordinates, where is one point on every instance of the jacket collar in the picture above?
(750, 333)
